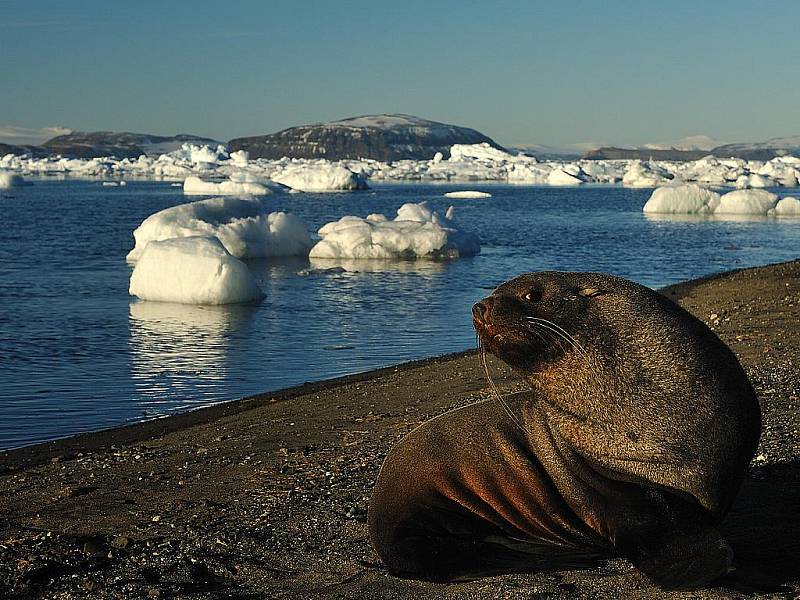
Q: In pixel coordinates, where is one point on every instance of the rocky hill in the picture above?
(380, 137)
(122, 145)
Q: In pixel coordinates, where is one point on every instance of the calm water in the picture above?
(77, 353)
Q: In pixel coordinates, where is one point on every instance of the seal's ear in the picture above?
(591, 292)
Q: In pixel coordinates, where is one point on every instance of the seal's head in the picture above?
(535, 319)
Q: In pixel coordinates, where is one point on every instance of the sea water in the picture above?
(77, 353)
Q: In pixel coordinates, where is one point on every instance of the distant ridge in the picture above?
(613, 153)
(97, 144)
(783, 146)
(385, 137)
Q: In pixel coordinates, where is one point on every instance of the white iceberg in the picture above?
(319, 177)
(787, 207)
(192, 270)
(193, 186)
(244, 226)
(416, 232)
(9, 180)
(747, 202)
(467, 194)
(689, 198)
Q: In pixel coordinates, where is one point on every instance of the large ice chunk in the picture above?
(319, 177)
(192, 270)
(244, 226)
(416, 232)
(689, 198)
(196, 186)
(747, 202)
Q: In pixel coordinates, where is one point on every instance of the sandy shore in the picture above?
(267, 497)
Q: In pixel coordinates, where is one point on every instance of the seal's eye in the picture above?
(591, 292)
(534, 295)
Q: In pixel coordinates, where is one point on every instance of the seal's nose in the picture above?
(479, 310)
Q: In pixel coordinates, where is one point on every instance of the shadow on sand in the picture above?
(764, 529)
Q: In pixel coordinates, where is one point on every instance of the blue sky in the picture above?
(521, 72)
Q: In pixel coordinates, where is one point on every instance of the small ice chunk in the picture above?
(9, 180)
(319, 177)
(244, 226)
(688, 198)
(416, 232)
(196, 186)
(747, 202)
(559, 176)
(467, 194)
(787, 207)
(192, 270)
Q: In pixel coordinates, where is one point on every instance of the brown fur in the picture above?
(633, 440)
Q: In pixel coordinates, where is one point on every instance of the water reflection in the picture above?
(181, 351)
(350, 265)
(716, 218)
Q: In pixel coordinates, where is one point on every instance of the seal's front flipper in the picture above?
(676, 545)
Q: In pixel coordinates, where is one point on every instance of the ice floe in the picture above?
(193, 186)
(746, 202)
(689, 198)
(244, 226)
(320, 176)
(192, 270)
(467, 194)
(416, 232)
(787, 207)
(694, 199)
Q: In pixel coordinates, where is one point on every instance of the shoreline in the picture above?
(40, 452)
(263, 497)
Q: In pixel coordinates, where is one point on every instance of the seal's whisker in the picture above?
(561, 332)
(540, 331)
(561, 338)
(564, 331)
(494, 389)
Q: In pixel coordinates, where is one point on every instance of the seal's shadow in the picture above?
(764, 529)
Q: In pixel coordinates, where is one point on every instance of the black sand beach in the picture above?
(267, 497)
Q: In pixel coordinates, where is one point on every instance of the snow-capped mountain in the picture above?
(381, 137)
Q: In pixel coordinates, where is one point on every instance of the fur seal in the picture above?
(632, 441)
